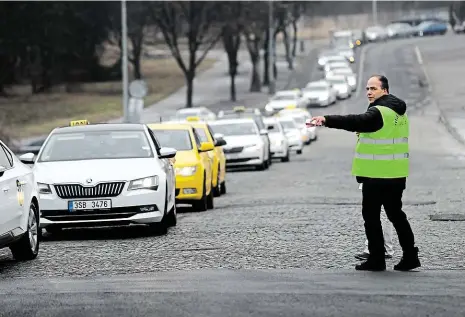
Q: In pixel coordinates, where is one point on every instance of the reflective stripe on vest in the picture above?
(384, 153)
(382, 156)
(383, 141)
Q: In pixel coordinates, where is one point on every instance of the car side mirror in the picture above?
(167, 153)
(270, 127)
(220, 142)
(206, 146)
(218, 136)
(27, 158)
(263, 132)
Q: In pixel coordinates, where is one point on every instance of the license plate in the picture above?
(89, 204)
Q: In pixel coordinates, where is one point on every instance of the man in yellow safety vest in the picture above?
(381, 165)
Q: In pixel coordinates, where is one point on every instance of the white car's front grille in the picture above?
(78, 191)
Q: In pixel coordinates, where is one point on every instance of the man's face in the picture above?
(374, 90)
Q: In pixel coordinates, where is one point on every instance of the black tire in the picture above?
(299, 151)
(286, 158)
(172, 217)
(201, 205)
(223, 188)
(161, 228)
(217, 189)
(27, 247)
(210, 202)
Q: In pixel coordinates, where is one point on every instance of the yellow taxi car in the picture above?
(193, 166)
(217, 156)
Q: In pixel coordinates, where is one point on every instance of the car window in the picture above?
(197, 138)
(178, 139)
(233, 129)
(202, 134)
(94, 145)
(6, 159)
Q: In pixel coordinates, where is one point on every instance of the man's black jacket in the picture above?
(370, 121)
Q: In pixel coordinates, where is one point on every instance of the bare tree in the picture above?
(199, 22)
(256, 22)
(231, 36)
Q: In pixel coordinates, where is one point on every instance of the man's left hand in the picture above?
(315, 121)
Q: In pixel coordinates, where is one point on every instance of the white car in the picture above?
(285, 98)
(279, 143)
(19, 207)
(244, 143)
(335, 65)
(330, 58)
(348, 72)
(320, 93)
(300, 116)
(293, 134)
(201, 112)
(339, 82)
(104, 174)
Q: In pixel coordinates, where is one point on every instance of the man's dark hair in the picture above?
(384, 81)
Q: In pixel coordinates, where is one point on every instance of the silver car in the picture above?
(320, 93)
(339, 82)
(293, 134)
(279, 143)
(348, 72)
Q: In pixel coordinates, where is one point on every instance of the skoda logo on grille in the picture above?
(89, 180)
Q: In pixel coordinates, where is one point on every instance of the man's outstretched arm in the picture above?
(367, 122)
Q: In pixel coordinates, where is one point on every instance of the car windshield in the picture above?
(315, 88)
(342, 70)
(337, 81)
(288, 125)
(284, 97)
(275, 127)
(178, 139)
(96, 145)
(202, 134)
(234, 129)
(299, 120)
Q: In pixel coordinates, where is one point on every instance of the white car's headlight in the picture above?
(44, 188)
(251, 147)
(268, 107)
(186, 170)
(343, 90)
(150, 182)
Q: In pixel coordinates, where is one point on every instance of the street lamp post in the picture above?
(124, 42)
(374, 8)
(271, 85)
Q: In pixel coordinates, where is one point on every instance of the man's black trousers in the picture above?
(388, 195)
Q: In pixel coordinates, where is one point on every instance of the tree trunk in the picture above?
(294, 39)
(137, 40)
(190, 88)
(266, 73)
(288, 51)
(253, 47)
(232, 89)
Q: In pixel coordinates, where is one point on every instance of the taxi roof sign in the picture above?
(192, 119)
(239, 108)
(78, 122)
(290, 107)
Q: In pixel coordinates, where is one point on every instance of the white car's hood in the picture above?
(242, 140)
(316, 94)
(281, 104)
(97, 170)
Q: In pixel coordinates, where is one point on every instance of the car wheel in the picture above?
(210, 202)
(223, 188)
(27, 247)
(172, 217)
(299, 151)
(201, 205)
(286, 158)
(217, 189)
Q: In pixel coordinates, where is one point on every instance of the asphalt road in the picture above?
(280, 243)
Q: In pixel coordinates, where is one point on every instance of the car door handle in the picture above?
(6, 189)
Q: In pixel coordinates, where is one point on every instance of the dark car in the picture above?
(431, 28)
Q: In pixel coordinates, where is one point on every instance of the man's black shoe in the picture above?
(409, 261)
(371, 265)
(364, 256)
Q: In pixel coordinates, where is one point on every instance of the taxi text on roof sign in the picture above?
(291, 107)
(78, 122)
(239, 108)
(192, 119)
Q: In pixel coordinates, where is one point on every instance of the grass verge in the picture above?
(29, 115)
